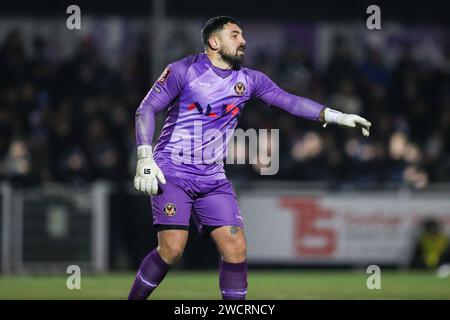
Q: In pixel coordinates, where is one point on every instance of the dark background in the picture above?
(130, 222)
(406, 11)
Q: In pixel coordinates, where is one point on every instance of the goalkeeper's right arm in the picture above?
(164, 90)
(147, 171)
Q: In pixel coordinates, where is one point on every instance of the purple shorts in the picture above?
(212, 204)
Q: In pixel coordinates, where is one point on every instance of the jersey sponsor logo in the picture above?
(239, 88)
(147, 171)
(163, 77)
(226, 108)
(170, 209)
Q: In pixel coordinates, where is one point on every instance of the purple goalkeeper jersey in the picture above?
(204, 103)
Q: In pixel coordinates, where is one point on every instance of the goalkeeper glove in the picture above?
(347, 120)
(147, 172)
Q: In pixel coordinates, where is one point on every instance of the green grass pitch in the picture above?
(303, 284)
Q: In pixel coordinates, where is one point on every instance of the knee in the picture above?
(235, 251)
(171, 253)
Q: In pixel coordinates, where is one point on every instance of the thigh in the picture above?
(173, 238)
(172, 208)
(217, 207)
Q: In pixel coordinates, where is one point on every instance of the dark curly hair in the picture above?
(215, 24)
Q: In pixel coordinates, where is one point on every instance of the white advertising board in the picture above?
(337, 229)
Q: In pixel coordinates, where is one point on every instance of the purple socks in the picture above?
(233, 280)
(151, 272)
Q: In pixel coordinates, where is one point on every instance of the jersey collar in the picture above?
(223, 73)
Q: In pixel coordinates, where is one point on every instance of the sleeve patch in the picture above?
(156, 88)
(162, 78)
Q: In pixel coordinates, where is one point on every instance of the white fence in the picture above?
(50, 228)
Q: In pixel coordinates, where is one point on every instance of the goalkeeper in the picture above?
(205, 93)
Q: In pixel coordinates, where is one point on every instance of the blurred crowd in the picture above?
(72, 120)
(408, 104)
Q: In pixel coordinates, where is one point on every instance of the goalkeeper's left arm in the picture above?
(328, 115)
(266, 90)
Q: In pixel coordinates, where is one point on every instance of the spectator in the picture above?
(432, 248)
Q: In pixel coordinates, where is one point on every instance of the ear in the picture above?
(213, 43)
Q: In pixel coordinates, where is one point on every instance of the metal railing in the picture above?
(54, 226)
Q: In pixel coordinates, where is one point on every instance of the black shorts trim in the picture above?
(206, 230)
(160, 227)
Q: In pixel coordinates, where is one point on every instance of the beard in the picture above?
(235, 60)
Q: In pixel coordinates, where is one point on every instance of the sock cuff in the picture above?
(158, 260)
(233, 266)
(233, 292)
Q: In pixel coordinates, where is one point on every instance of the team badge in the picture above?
(170, 209)
(239, 88)
(162, 78)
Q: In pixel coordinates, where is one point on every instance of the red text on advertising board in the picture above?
(307, 215)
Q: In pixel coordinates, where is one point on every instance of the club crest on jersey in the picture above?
(170, 209)
(162, 78)
(239, 88)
